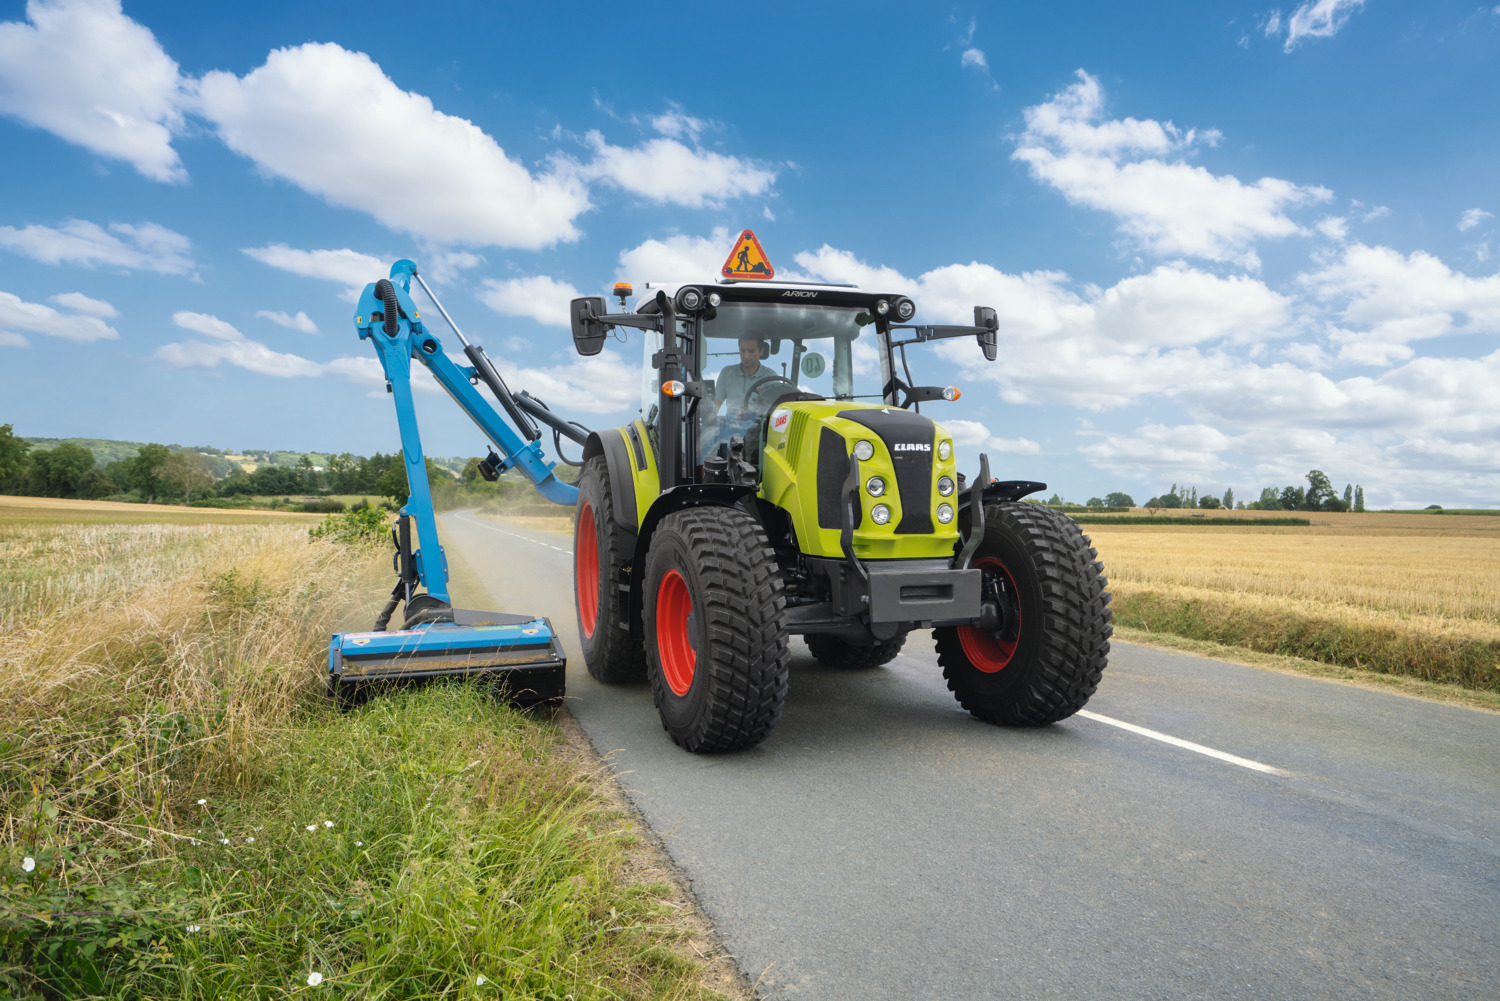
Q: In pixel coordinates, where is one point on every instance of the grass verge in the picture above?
(185, 816)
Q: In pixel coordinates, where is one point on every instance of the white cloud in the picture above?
(1390, 300)
(444, 269)
(1472, 218)
(312, 113)
(677, 258)
(602, 384)
(677, 125)
(1154, 449)
(347, 267)
(543, 299)
(301, 321)
(1273, 23)
(10, 340)
(668, 172)
(87, 73)
(231, 346)
(1333, 227)
(1169, 207)
(18, 314)
(147, 247)
(976, 436)
(1320, 19)
(80, 303)
(974, 58)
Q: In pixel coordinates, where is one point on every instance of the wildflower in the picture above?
(194, 929)
(312, 827)
(314, 978)
(250, 840)
(359, 844)
(203, 802)
(28, 863)
(480, 981)
(223, 841)
(327, 823)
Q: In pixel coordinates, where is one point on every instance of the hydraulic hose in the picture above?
(387, 293)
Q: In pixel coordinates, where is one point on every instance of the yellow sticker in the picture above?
(747, 260)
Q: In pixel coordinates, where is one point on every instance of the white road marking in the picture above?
(471, 519)
(1188, 745)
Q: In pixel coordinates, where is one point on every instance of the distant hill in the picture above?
(108, 450)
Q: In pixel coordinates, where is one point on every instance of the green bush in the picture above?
(363, 524)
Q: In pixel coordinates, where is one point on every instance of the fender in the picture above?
(611, 444)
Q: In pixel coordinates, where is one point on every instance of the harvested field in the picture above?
(1416, 595)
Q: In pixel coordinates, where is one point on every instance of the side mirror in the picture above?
(989, 340)
(589, 329)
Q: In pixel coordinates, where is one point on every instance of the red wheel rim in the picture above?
(586, 569)
(674, 641)
(986, 651)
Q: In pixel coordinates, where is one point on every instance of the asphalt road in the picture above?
(883, 844)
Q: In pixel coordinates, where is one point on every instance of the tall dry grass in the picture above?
(1419, 602)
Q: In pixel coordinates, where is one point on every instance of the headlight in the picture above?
(945, 513)
(689, 299)
(713, 299)
(875, 485)
(882, 307)
(864, 451)
(945, 486)
(880, 514)
(945, 450)
(905, 309)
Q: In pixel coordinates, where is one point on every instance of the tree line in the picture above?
(1318, 495)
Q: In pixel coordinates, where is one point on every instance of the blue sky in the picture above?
(1228, 242)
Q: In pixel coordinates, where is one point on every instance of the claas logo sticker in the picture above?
(747, 260)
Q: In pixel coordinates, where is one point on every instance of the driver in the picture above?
(733, 383)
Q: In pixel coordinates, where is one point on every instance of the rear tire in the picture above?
(834, 652)
(1045, 661)
(609, 652)
(716, 642)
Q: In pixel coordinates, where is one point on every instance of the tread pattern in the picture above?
(742, 669)
(612, 656)
(1063, 668)
(834, 652)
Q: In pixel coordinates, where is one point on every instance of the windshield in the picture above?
(757, 352)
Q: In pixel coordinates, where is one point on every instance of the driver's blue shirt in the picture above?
(732, 383)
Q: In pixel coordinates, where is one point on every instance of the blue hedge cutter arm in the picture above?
(521, 651)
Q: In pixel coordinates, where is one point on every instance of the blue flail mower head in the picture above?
(520, 652)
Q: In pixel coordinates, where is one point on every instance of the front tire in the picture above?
(716, 643)
(834, 652)
(1046, 659)
(610, 654)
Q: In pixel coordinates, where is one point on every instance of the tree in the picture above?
(1229, 498)
(1118, 499)
(1348, 497)
(1319, 492)
(187, 472)
(471, 474)
(60, 471)
(1208, 502)
(1293, 499)
(1270, 500)
(12, 457)
(1359, 499)
(144, 471)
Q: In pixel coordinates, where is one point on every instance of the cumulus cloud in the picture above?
(80, 303)
(1320, 19)
(1153, 450)
(146, 247)
(310, 114)
(1390, 300)
(666, 171)
(16, 314)
(301, 322)
(677, 125)
(1472, 218)
(85, 72)
(1170, 207)
(974, 58)
(677, 258)
(229, 345)
(543, 299)
(976, 436)
(347, 267)
(10, 340)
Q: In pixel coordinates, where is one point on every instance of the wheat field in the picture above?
(1406, 594)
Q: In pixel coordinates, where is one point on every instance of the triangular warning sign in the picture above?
(747, 260)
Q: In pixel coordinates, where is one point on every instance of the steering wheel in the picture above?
(763, 381)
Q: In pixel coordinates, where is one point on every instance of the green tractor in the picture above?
(786, 497)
